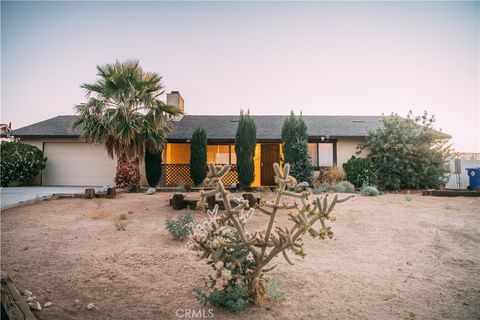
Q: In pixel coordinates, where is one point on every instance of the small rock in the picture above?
(90, 306)
(47, 304)
(35, 305)
(77, 301)
(29, 299)
(151, 191)
(27, 293)
(301, 186)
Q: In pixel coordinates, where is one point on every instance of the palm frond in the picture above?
(123, 110)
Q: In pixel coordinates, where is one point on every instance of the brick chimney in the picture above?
(174, 98)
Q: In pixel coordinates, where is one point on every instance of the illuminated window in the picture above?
(176, 153)
(221, 154)
(312, 149)
(233, 155)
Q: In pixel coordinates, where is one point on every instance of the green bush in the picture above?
(369, 191)
(344, 187)
(224, 288)
(295, 148)
(360, 171)
(180, 228)
(408, 153)
(245, 142)
(20, 162)
(233, 298)
(198, 156)
(153, 168)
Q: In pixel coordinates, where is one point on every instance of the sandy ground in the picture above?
(389, 259)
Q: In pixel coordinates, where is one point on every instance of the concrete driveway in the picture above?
(11, 197)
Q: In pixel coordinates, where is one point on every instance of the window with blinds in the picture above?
(321, 154)
(325, 154)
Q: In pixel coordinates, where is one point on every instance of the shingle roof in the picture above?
(59, 126)
(222, 127)
(270, 127)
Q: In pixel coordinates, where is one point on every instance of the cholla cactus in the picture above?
(241, 258)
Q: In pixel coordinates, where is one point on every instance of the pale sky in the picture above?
(343, 58)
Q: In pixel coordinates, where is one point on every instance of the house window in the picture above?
(312, 149)
(322, 154)
(221, 154)
(325, 154)
(176, 153)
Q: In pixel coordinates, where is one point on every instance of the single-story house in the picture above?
(332, 141)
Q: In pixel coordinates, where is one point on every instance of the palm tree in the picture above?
(123, 111)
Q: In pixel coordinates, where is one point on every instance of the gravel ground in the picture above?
(389, 259)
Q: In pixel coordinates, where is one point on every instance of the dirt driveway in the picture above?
(389, 259)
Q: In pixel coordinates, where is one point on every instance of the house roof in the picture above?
(270, 127)
(221, 128)
(57, 127)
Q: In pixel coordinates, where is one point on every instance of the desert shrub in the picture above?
(333, 175)
(369, 191)
(233, 298)
(153, 168)
(121, 222)
(360, 171)
(239, 259)
(295, 148)
(245, 143)
(408, 153)
(198, 156)
(344, 187)
(275, 292)
(408, 196)
(324, 187)
(181, 228)
(20, 162)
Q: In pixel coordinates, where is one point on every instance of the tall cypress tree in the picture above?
(198, 156)
(245, 141)
(295, 148)
(153, 168)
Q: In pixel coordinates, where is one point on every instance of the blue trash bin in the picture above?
(474, 176)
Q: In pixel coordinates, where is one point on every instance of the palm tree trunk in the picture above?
(128, 173)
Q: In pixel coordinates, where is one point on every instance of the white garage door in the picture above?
(77, 164)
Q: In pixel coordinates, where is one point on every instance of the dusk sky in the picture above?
(321, 58)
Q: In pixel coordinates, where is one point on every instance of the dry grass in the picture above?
(333, 175)
(100, 214)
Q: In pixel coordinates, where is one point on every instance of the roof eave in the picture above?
(43, 136)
